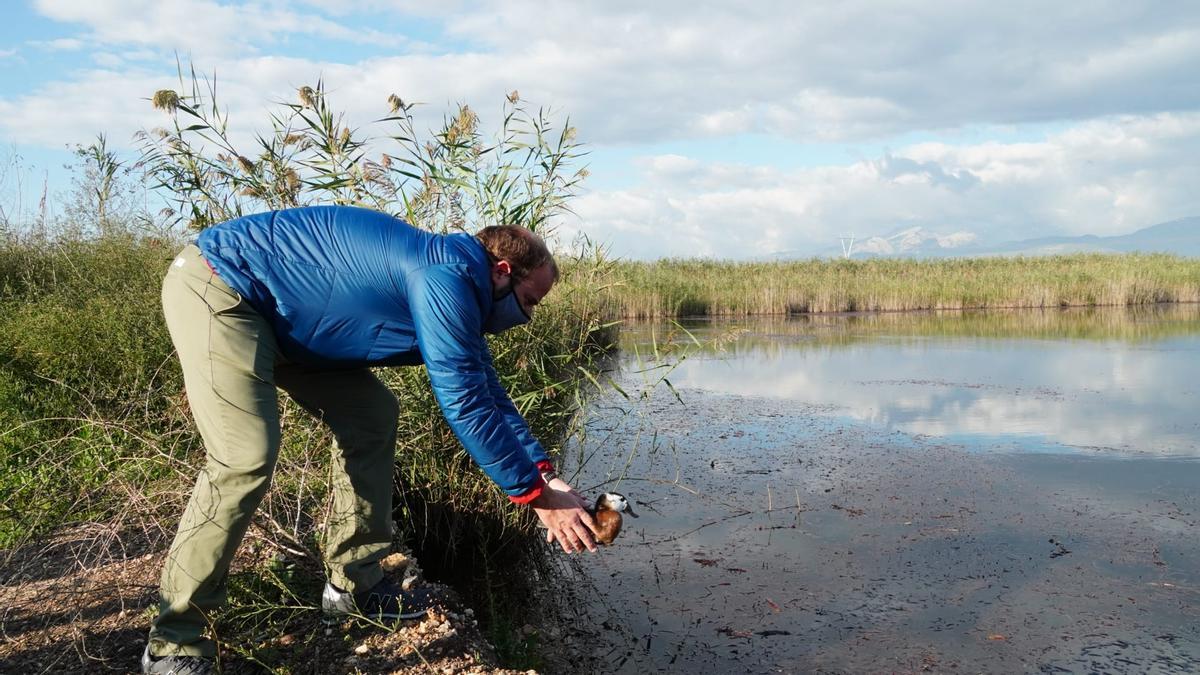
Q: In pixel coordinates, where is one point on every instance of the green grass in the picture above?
(94, 426)
(86, 380)
(677, 288)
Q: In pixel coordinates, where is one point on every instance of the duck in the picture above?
(607, 514)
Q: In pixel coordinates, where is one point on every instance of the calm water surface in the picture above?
(981, 492)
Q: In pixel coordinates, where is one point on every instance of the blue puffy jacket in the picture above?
(347, 287)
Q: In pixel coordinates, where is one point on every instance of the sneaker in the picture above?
(177, 665)
(385, 601)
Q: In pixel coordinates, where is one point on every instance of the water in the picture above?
(988, 492)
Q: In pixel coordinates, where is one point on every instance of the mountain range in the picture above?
(1179, 237)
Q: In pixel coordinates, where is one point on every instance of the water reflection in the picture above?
(1098, 380)
(807, 505)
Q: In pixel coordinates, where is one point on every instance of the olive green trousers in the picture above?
(231, 370)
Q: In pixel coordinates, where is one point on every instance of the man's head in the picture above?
(521, 263)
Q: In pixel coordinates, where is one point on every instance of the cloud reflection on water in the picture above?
(1108, 380)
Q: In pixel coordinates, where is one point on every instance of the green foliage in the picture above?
(83, 374)
(455, 179)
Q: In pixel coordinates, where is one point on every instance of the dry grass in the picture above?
(669, 288)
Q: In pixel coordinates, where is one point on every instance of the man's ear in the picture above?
(503, 267)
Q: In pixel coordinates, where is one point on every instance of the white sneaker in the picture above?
(385, 601)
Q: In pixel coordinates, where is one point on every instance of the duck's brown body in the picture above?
(608, 524)
(607, 515)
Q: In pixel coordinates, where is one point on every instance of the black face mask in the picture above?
(506, 313)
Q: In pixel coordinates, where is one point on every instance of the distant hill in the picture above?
(915, 242)
(1180, 237)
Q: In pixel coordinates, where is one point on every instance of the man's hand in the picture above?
(561, 510)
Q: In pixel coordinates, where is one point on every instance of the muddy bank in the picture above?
(784, 537)
(80, 605)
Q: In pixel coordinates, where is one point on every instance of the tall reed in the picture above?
(668, 288)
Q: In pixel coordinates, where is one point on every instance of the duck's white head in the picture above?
(615, 501)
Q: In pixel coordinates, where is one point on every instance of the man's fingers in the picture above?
(574, 532)
(586, 519)
(585, 538)
(584, 527)
(570, 541)
(567, 539)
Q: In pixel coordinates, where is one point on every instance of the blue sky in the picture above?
(725, 129)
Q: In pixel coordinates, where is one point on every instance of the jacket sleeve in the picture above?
(448, 326)
(514, 418)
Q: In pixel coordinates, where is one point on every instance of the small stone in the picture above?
(408, 583)
(361, 649)
(329, 631)
(394, 562)
(470, 612)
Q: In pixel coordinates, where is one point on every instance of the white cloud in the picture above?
(63, 113)
(847, 69)
(202, 28)
(1101, 177)
(1120, 76)
(59, 45)
(829, 71)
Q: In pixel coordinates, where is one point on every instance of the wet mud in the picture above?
(789, 536)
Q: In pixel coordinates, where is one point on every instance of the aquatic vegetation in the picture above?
(711, 288)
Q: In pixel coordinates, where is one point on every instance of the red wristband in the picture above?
(531, 495)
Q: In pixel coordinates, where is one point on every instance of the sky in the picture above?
(715, 129)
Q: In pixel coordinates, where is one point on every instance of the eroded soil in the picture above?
(66, 612)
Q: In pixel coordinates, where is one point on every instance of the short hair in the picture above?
(524, 250)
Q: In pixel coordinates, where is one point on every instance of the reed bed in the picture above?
(681, 288)
(777, 334)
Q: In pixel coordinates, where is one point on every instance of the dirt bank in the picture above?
(82, 603)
